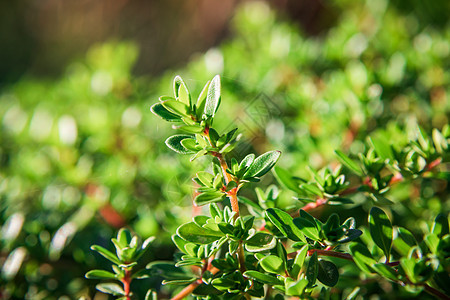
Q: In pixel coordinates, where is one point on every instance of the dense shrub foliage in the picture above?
(83, 156)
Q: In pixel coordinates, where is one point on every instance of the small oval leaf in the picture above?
(159, 110)
(283, 221)
(328, 273)
(272, 264)
(262, 164)
(193, 233)
(174, 143)
(100, 274)
(381, 230)
(263, 278)
(212, 98)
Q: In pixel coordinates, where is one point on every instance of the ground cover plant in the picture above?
(270, 252)
(82, 156)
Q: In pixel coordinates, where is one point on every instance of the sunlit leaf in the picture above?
(381, 230)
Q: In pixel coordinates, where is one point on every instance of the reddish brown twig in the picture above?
(126, 281)
(190, 288)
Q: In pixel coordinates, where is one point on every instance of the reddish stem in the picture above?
(433, 164)
(190, 288)
(313, 205)
(223, 164)
(126, 281)
(435, 292)
(320, 252)
(187, 290)
(232, 194)
(352, 190)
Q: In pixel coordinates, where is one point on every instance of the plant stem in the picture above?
(223, 164)
(234, 202)
(320, 252)
(126, 281)
(352, 190)
(434, 292)
(241, 257)
(232, 194)
(190, 288)
(187, 290)
(348, 257)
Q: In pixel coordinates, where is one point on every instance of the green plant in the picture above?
(79, 159)
(271, 252)
(128, 250)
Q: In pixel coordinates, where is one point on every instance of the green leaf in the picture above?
(311, 188)
(408, 265)
(260, 242)
(212, 98)
(151, 295)
(440, 226)
(110, 288)
(205, 177)
(353, 293)
(272, 264)
(385, 271)
(100, 274)
(381, 147)
(124, 237)
(295, 288)
(328, 273)
(262, 164)
(159, 110)
(247, 161)
(191, 129)
(198, 154)
(283, 221)
(405, 241)
(331, 224)
(201, 101)
(190, 144)
(233, 247)
(440, 142)
(209, 197)
(174, 143)
(432, 241)
(181, 91)
(263, 278)
(167, 270)
(193, 233)
(106, 253)
(339, 201)
(179, 242)
(346, 161)
(142, 274)
(442, 278)
(381, 230)
(223, 284)
(176, 107)
(362, 257)
(179, 281)
(285, 178)
(350, 235)
(254, 208)
(298, 261)
(307, 228)
(312, 270)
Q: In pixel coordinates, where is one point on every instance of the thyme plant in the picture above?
(275, 252)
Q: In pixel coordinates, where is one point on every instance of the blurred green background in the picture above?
(81, 155)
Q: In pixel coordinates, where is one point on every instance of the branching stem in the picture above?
(349, 257)
(352, 190)
(228, 178)
(190, 288)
